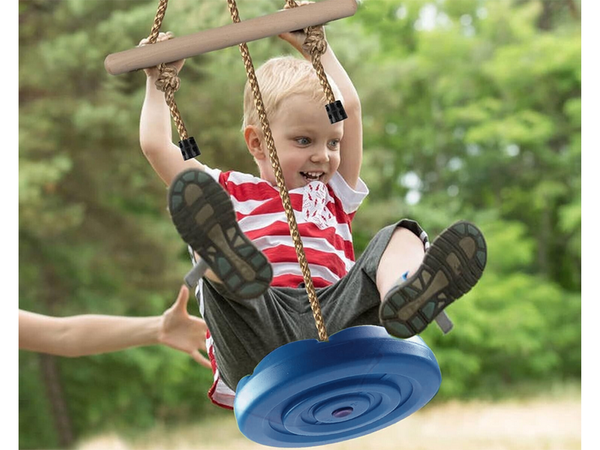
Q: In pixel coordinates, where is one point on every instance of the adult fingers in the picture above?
(201, 359)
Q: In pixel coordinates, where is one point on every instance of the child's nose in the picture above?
(320, 154)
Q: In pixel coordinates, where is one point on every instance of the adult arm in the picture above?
(93, 334)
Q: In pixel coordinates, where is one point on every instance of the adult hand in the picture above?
(183, 332)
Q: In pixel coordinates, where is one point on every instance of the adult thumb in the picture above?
(182, 298)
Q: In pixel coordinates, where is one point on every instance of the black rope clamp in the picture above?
(189, 148)
(336, 112)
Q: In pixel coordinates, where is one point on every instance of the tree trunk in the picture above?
(49, 367)
(545, 19)
(552, 9)
(60, 414)
(573, 9)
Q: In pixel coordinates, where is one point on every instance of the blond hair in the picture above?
(278, 79)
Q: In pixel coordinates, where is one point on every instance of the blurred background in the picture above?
(472, 110)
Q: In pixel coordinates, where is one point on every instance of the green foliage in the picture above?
(36, 427)
(478, 117)
(513, 327)
(471, 108)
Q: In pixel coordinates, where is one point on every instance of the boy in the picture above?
(254, 299)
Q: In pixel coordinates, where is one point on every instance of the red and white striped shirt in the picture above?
(323, 212)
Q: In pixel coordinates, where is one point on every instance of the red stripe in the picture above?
(286, 254)
(269, 206)
(306, 230)
(246, 190)
(337, 209)
(223, 178)
(296, 280)
(213, 364)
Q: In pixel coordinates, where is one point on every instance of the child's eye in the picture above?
(302, 140)
(334, 143)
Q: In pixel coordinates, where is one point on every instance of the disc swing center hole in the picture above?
(342, 412)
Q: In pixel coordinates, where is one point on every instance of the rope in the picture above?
(158, 19)
(283, 192)
(168, 81)
(316, 46)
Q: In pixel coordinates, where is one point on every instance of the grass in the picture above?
(550, 422)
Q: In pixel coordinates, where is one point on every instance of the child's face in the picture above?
(308, 145)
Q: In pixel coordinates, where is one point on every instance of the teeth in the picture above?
(313, 174)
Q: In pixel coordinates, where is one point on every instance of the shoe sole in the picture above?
(204, 217)
(451, 267)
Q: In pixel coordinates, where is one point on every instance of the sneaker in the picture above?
(451, 267)
(204, 217)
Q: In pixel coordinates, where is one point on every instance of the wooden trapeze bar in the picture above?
(229, 35)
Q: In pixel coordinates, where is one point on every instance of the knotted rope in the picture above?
(316, 46)
(168, 82)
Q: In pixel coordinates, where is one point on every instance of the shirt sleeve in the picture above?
(215, 173)
(350, 198)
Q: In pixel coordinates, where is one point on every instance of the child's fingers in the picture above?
(298, 3)
(295, 39)
(165, 36)
(161, 37)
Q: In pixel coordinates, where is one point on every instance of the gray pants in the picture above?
(245, 331)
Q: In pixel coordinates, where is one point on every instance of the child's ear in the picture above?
(253, 138)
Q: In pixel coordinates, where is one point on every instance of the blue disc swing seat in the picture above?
(309, 393)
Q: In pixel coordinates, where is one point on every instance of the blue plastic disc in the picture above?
(309, 393)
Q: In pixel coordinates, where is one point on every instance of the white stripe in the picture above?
(223, 394)
(318, 244)
(215, 173)
(251, 223)
(240, 178)
(281, 269)
(223, 389)
(200, 297)
(425, 239)
(246, 207)
(350, 198)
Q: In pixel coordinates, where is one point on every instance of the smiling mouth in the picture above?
(312, 176)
